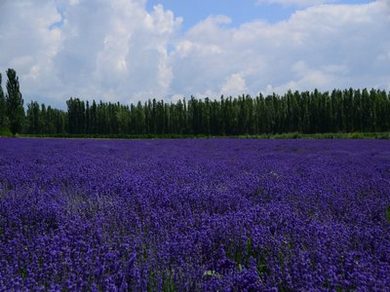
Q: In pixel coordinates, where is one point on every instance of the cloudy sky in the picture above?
(130, 50)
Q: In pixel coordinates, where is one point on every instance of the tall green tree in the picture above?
(14, 102)
(33, 118)
(2, 106)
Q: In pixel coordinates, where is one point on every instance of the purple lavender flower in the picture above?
(202, 214)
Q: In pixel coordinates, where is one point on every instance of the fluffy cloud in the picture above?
(301, 3)
(116, 50)
(234, 85)
(117, 47)
(323, 47)
(29, 43)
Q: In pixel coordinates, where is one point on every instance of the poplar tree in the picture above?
(2, 107)
(14, 102)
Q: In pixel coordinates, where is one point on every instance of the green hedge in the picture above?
(5, 132)
(356, 135)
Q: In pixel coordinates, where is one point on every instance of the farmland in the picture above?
(194, 214)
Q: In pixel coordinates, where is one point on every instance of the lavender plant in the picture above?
(185, 215)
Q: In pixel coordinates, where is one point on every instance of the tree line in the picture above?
(350, 110)
(11, 105)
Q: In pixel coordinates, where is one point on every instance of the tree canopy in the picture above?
(306, 112)
(14, 103)
(349, 110)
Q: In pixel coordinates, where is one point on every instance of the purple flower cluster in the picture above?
(202, 214)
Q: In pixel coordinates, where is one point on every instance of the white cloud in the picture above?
(27, 42)
(119, 49)
(234, 85)
(301, 3)
(320, 47)
(74, 2)
(116, 50)
(112, 50)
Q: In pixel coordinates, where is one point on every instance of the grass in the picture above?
(115, 136)
(4, 132)
(294, 135)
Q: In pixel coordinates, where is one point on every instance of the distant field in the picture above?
(353, 135)
(194, 214)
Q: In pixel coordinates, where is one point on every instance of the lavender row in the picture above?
(202, 214)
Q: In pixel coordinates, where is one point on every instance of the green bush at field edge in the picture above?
(295, 135)
(5, 132)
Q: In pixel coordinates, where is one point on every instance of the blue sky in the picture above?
(130, 50)
(239, 11)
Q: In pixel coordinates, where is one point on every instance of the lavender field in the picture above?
(202, 214)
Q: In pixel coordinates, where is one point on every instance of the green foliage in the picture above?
(355, 135)
(42, 120)
(388, 213)
(5, 132)
(168, 284)
(298, 113)
(385, 135)
(14, 103)
(352, 114)
(3, 116)
(241, 254)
